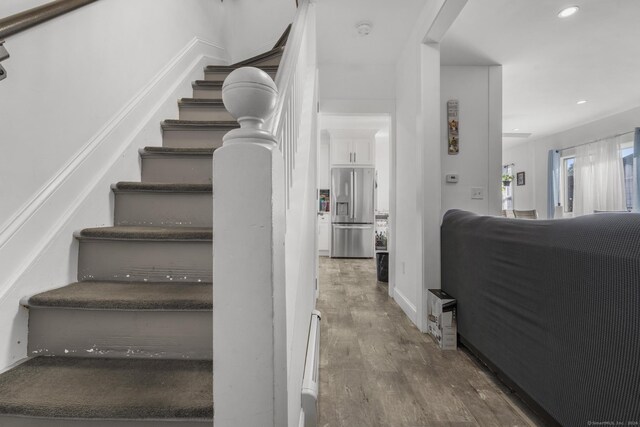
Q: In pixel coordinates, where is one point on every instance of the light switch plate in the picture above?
(477, 193)
(452, 178)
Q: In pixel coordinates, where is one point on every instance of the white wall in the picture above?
(407, 257)
(537, 152)
(324, 161)
(254, 26)
(82, 96)
(356, 82)
(522, 158)
(421, 196)
(478, 164)
(382, 169)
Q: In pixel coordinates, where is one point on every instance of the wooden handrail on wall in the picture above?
(32, 17)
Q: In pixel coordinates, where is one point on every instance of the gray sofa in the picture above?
(553, 307)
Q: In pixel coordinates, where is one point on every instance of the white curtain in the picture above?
(599, 177)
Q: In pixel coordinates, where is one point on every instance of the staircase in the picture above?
(131, 341)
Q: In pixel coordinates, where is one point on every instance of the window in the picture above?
(567, 176)
(627, 161)
(507, 190)
(567, 183)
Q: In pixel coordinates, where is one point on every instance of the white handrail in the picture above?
(289, 62)
(285, 121)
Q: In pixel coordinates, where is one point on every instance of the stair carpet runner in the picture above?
(130, 342)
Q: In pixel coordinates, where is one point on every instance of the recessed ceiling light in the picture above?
(582, 101)
(364, 28)
(516, 129)
(568, 11)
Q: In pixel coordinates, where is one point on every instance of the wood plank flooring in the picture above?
(378, 370)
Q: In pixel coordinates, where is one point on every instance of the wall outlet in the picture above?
(477, 193)
(452, 178)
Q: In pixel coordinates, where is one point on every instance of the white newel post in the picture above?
(249, 313)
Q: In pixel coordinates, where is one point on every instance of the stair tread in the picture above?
(96, 388)
(179, 150)
(162, 187)
(128, 296)
(198, 125)
(229, 68)
(147, 233)
(213, 83)
(202, 101)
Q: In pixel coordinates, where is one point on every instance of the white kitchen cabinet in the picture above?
(324, 233)
(363, 151)
(341, 153)
(352, 148)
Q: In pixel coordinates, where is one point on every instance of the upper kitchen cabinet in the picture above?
(352, 147)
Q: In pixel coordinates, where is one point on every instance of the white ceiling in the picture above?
(338, 40)
(376, 123)
(550, 63)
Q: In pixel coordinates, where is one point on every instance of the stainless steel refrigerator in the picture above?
(352, 217)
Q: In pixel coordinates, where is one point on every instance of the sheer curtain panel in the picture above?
(599, 177)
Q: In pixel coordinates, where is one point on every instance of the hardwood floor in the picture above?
(377, 369)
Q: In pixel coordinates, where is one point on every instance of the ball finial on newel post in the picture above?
(250, 95)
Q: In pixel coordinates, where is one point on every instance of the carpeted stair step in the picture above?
(220, 72)
(207, 89)
(195, 134)
(154, 254)
(66, 391)
(123, 319)
(163, 205)
(178, 165)
(203, 109)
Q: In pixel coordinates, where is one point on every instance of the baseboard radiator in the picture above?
(310, 382)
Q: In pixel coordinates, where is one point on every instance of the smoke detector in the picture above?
(364, 28)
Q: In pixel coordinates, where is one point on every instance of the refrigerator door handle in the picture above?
(353, 196)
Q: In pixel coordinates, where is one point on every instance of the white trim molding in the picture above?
(406, 305)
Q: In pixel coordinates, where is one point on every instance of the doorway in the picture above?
(358, 145)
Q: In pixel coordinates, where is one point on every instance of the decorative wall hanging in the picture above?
(520, 178)
(453, 124)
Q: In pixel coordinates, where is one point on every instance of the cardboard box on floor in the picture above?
(441, 319)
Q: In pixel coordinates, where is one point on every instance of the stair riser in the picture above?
(177, 169)
(193, 138)
(120, 333)
(163, 209)
(204, 93)
(220, 76)
(10, 421)
(155, 261)
(204, 113)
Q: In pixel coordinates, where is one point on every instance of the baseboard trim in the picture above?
(46, 222)
(406, 305)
